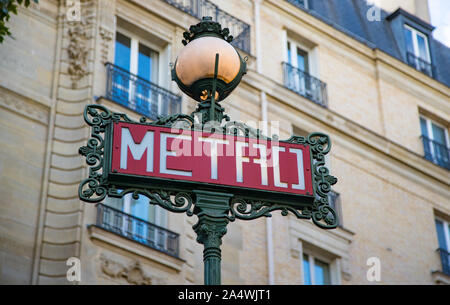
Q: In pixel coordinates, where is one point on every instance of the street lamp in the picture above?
(208, 68)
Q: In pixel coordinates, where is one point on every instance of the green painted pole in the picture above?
(211, 209)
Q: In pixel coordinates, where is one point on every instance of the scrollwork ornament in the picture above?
(322, 214)
(177, 202)
(94, 188)
(206, 26)
(180, 121)
(248, 209)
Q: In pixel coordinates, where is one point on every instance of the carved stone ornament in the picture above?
(133, 274)
(106, 37)
(78, 47)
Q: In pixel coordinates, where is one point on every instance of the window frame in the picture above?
(294, 46)
(429, 123)
(312, 257)
(160, 73)
(446, 232)
(430, 129)
(134, 53)
(416, 33)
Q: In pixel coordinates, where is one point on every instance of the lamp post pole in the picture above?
(211, 209)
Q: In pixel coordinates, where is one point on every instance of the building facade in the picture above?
(372, 78)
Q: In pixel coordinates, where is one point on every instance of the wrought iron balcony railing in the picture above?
(137, 230)
(200, 8)
(445, 260)
(420, 64)
(306, 85)
(140, 95)
(436, 152)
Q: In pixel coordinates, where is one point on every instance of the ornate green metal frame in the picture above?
(98, 185)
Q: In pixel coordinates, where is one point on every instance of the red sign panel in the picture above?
(215, 159)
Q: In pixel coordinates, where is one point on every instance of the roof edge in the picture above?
(412, 17)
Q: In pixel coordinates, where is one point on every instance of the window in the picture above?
(299, 66)
(297, 59)
(136, 57)
(443, 234)
(139, 59)
(315, 271)
(139, 76)
(139, 208)
(417, 50)
(417, 43)
(435, 142)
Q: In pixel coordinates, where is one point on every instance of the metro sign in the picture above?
(167, 156)
(234, 169)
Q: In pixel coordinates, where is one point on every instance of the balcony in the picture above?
(445, 260)
(140, 95)
(436, 152)
(200, 8)
(305, 85)
(420, 64)
(137, 230)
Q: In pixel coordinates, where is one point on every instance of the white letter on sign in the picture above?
(276, 166)
(301, 175)
(164, 153)
(137, 150)
(213, 143)
(262, 161)
(240, 160)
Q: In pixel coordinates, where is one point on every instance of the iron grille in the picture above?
(306, 85)
(200, 8)
(138, 230)
(140, 95)
(420, 64)
(445, 260)
(436, 152)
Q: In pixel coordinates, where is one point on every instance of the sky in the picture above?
(440, 18)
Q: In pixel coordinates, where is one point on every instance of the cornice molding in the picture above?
(418, 76)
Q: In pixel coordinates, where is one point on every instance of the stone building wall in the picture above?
(389, 194)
